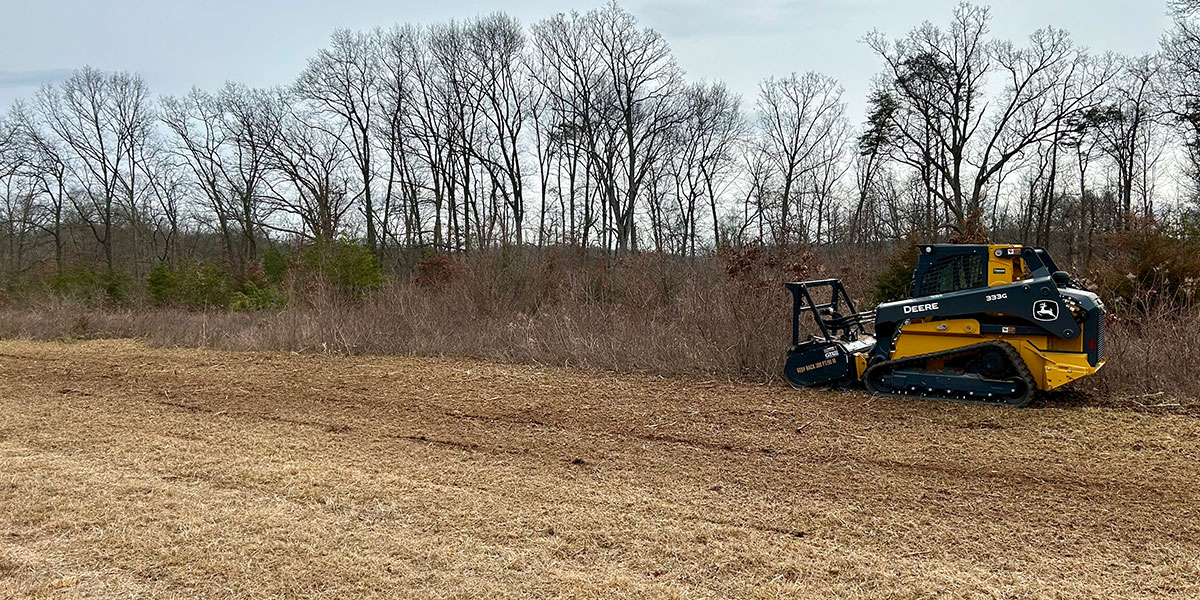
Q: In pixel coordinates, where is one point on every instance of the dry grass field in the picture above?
(130, 471)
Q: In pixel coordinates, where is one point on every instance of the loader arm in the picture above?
(1022, 300)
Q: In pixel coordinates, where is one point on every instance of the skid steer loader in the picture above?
(985, 323)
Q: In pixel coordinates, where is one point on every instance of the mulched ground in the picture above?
(130, 471)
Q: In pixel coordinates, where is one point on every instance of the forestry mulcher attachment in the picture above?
(987, 324)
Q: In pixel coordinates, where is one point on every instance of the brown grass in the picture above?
(127, 471)
(648, 314)
(1152, 360)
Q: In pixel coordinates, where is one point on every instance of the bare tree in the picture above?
(48, 167)
(497, 44)
(167, 189)
(426, 122)
(636, 111)
(101, 120)
(798, 115)
(9, 142)
(17, 193)
(218, 141)
(343, 81)
(136, 117)
(309, 164)
(399, 137)
(1124, 124)
(823, 182)
(454, 99)
(197, 121)
(944, 122)
(711, 132)
(761, 188)
(616, 86)
(543, 125)
(248, 122)
(568, 71)
(1181, 54)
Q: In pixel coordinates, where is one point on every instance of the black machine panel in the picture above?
(819, 363)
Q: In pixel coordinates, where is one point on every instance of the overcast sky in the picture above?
(177, 44)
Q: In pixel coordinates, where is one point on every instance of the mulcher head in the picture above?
(831, 358)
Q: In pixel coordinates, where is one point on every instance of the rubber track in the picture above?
(1014, 357)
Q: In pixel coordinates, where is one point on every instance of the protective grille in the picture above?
(951, 274)
(1100, 337)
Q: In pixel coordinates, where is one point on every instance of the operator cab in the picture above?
(945, 268)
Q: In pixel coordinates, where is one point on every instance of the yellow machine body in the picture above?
(1052, 361)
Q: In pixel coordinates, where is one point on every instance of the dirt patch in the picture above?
(134, 472)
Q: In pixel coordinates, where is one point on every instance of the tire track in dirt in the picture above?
(607, 484)
(800, 455)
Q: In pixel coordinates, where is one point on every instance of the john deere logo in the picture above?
(1045, 310)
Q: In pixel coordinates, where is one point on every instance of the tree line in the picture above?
(582, 129)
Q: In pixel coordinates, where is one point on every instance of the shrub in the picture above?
(194, 286)
(759, 265)
(74, 282)
(972, 230)
(15, 288)
(894, 281)
(256, 297)
(349, 267)
(209, 287)
(601, 286)
(89, 285)
(162, 285)
(275, 265)
(435, 271)
(645, 312)
(1146, 269)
